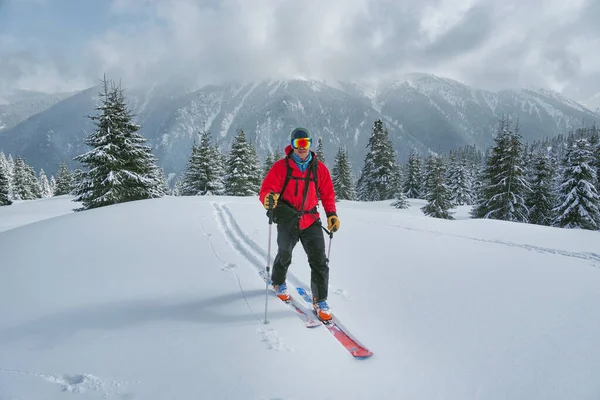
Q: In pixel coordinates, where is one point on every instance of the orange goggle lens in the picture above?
(301, 143)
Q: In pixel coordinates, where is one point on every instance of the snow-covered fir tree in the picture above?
(341, 175)
(203, 174)
(595, 144)
(503, 196)
(437, 193)
(542, 198)
(8, 170)
(189, 182)
(45, 190)
(64, 180)
(269, 161)
(4, 184)
(25, 183)
(379, 176)
(414, 176)
(120, 167)
(320, 152)
(578, 198)
(459, 182)
(401, 201)
(52, 184)
(243, 172)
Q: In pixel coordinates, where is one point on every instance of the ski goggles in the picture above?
(301, 143)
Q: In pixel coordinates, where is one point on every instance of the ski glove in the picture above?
(333, 222)
(271, 200)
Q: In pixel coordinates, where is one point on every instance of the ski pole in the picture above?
(268, 261)
(330, 234)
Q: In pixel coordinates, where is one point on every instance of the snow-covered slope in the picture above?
(161, 299)
(24, 104)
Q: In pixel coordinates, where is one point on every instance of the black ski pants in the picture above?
(313, 241)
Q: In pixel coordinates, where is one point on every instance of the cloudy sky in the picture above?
(55, 45)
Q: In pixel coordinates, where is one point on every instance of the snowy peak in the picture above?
(423, 111)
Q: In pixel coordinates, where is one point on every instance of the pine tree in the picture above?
(45, 190)
(578, 197)
(120, 168)
(401, 201)
(203, 174)
(503, 196)
(25, 183)
(269, 161)
(189, 184)
(4, 184)
(595, 144)
(341, 176)
(460, 183)
(320, 152)
(243, 172)
(379, 176)
(414, 176)
(541, 200)
(437, 192)
(64, 180)
(8, 172)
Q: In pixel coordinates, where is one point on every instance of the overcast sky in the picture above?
(54, 45)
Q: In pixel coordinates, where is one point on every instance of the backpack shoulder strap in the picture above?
(288, 175)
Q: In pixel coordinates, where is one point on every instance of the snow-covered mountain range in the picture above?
(423, 111)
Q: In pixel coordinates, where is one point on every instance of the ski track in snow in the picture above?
(250, 244)
(78, 383)
(593, 258)
(247, 246)
(242, 243)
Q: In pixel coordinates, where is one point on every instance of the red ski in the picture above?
(340, 332)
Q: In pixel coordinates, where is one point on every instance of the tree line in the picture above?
(552, 182)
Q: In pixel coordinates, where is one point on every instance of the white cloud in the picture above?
(486, 43)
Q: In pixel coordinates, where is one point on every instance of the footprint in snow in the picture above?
(228, 267)
(343, 293)
(274, 342)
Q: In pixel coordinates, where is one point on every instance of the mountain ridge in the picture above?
(422, 111)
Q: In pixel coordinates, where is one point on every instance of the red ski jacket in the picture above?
(294, 190)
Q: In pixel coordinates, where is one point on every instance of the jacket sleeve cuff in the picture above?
(329, 214)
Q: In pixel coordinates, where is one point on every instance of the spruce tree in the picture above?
(64, 180)
(341, 176)
(401, 201)
(120, 168)
(243, 172)
(541, 200)
(414, 176)
(595, 145)
(269, 161)
(45, 190)
(4, 186)
(460, 183)
(437, 192)
(503, 196)
(189, 185)
(26, 186)
(379, 176)
(8, 172)
(320, 152)
(578, 197)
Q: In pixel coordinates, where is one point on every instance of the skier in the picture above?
(291, 191)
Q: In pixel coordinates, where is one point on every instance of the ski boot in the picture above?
(282, 292)
(322, 311)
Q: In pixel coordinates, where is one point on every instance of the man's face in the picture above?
(301, 152)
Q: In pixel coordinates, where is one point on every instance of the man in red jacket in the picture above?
(291, 191)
